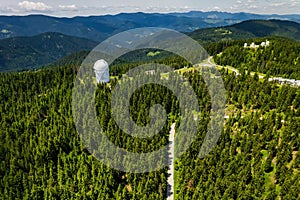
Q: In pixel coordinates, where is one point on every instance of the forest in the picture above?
(256, 157)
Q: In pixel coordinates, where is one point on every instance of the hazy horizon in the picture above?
(71, 8)
(56, 16)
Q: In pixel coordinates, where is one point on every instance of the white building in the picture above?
(265, 44)
(253, 45)
(101, 71)
(150, 72)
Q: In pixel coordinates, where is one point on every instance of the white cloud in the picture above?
(294, 3)
(68, 7)
(9, 10)
(286, 4)
(253, 6)
(217, 8)
(34, 6)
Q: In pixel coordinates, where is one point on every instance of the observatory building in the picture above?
(101, 71)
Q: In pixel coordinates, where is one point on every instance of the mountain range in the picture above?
(27, 44)
(248, 29)
(25, 53)
(98, 28)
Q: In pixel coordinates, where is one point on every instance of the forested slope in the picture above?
(281, 58)
(42, 157)
(28, 53)
(257, 156)
(248, 29)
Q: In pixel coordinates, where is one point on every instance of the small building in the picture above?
(253, 45)
(150, 72)
(265, 44)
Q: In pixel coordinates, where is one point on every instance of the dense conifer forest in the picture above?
(257, 156)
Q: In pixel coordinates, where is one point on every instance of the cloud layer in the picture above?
(97, 7)
(34, 6)
(72, 7)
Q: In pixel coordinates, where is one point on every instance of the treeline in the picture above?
(128, 61)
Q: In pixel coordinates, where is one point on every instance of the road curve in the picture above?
(212, 64)
(170, 189)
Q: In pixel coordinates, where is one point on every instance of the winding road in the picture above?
(170, 188)
(282, 81)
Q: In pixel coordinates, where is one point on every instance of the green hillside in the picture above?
(256, 157)
(248, 29)
(42, 157)
(25, 53)
(262, 28)
(281, 58)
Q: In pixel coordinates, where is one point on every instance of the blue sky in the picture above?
(100, 7)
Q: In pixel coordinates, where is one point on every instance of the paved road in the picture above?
(285, 81)
(210, 62)
(170, 194)
(232, 69)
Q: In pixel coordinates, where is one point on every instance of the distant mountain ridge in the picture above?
(98, 28)
(262, 28)
(26, 53)
(249, 29)
(237, 16)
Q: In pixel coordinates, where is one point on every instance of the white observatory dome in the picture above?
(101, 71)
(100, 65)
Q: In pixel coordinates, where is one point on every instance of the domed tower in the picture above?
(101, 71)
